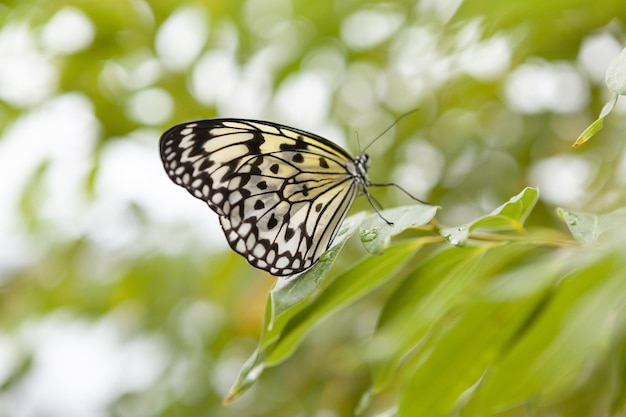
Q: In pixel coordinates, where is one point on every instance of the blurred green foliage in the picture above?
(525, 318)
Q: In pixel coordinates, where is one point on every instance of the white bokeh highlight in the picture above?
(79, 368)
(27, 75)
(303, 99)
(151, 106)
(562, 179)
(537, 87)
(596, 53)
(182, 36)
(61, 134)
(367, 28)
(68, 31)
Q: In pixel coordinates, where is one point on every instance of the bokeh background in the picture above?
(118, 295)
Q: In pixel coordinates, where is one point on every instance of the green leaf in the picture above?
(423, 298)
(286, 299)
(436, 286)
(462, 346)
(616, 74)
(248, 375)
(588, 133)
(598, 123)
(574, 331)
(616, 82)
(587, 228)
(346, 289)
(293, 290)
(376, 233)
(289, 292)
(280, 340)
(509, 216)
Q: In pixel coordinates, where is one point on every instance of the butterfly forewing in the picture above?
(281, 193)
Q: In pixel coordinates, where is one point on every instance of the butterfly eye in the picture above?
(362, 159)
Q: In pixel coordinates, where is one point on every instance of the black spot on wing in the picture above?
(298, 145)
(231, 167)
(206, 164)
(272, 222)
(254, 144)
(245, 178)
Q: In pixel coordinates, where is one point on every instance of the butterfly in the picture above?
(281, 193)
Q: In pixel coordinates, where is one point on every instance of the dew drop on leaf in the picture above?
(369, 235)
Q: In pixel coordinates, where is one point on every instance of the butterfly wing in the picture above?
(280, 193)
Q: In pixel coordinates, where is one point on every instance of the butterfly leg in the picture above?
(393, 184)
(373, 203)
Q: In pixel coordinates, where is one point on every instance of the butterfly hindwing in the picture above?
(281, 193)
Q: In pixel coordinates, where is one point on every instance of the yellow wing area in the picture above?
(284, 134)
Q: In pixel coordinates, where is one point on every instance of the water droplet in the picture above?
(369, 235)
(456, 236)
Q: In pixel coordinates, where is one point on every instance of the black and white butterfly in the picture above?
(281, 193)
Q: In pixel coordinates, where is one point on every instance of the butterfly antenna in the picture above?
(358, 142)
(373, 202)
(402, 116)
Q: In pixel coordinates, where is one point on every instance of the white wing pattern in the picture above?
(280, 193)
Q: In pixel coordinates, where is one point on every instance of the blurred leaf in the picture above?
(591, 130)
(32, 195)
(597, 124)
(573, 331)
(476, 334)
(248, 375)
(616, 74)
(436, 287)
(616, 82)
(509, 216)
(587, 228)
(423, 298)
